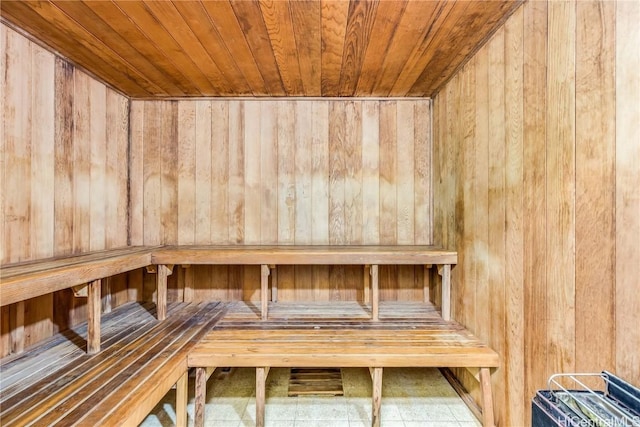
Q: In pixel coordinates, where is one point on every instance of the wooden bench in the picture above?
(57, 383)
(269, 257)
(240, 341)
(19, 282)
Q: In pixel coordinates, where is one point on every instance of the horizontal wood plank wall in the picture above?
(283, 172)
(536, 179)
(64, 174)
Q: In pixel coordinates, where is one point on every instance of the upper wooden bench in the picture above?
(19, 282)
(270, 256)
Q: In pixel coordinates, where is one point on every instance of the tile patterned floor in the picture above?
(416, 397)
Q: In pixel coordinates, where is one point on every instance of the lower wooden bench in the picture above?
(58, 383)
(439, 345)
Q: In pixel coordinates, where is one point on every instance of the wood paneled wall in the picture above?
(64, 173)
(283, 172)
(536, 179)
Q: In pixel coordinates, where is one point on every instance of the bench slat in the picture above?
(442, 358)
(303, 255)
(29, 267)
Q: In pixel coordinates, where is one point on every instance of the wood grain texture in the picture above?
(64, 169)
(186, 177)
(28, 280)
(514, 238)
(300, 255)
(627, 301)
(287, 172)
(561, 187)
(553, 108)
(267, 47)
(342, 347)
(535, 101)
(595, 184)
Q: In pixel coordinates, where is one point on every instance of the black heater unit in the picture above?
(587, 400)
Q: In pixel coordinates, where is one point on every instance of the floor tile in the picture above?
(390, 424)
(276, 408)
(225, 409)
(416, 410)
(431, 424)
(324, 408)
(322, 423)
(461, 412)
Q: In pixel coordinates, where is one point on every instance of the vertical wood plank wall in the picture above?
(282, 172)
(63, 176)
(536, 178)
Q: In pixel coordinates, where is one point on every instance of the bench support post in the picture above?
(93, 324)
(163, 271)
(201, 396)
(445, 272)
(17, 327)
(264, 290)
(377, 397)
(182, 390)
(375, 294)
(261, 382)
(487, 399)
(274, 283)
(426, 283)
(367, 285)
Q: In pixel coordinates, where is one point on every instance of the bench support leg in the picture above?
(487, 399)
(17, 326)
(377, 397)
(366, 298)
(163, 272)
(261, 382)
(375, 294)
(274, 283)
(93, 324)
(426, 283)
(264, 290)
(182, 390)
(201, 396)
(445, 272)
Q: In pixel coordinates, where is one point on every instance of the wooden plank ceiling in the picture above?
(150, 49)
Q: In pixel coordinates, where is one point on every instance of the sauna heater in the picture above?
(587, 400)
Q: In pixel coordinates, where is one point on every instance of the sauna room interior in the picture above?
(483, 159)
